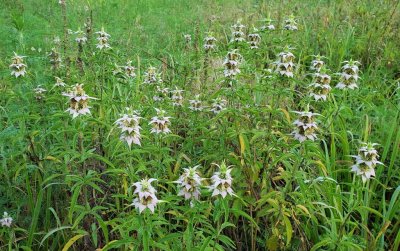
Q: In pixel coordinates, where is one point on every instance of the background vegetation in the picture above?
(67, 183)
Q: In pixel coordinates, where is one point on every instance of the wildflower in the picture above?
(151, 76)
(39, 92)
(255, 39)
(129, 69)
(218, 105)
(18, 68)
(59, 82)
(317, 64)
(177, 97)
(290, 24)
(366, 160)
(285, 65)
(221, 181)
(209, 43)
(55, 58)
(78, 101)
(349, 75)
(162, 94)
(189, 183)
(146, 195)
(102, 40)
(160, 123)
(80, 37)
(57, 40)
(62, 2)
(305, 126)
(320, 86)
(130, 129)
(6, 221)
(195, 104)
(267, 25)
(237, 32)
(188, 39)
(231, 64)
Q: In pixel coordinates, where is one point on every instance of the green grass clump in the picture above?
(72, 183)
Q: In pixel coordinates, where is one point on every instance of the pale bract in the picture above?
(129, 126)
(160, 123)
(285, 65)
(78, 101)
(305, 126)
(366, 161)
(146, 195)
(218, 105)
(189, 183)
(320, 87)
(221, 181)
(6, 221)
(102, 39)
(196, 104)
(349, 75)
(18, 67)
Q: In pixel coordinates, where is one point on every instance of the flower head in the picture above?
(160, 123)
(320, 87)
(231, 63)
(177, 98)
(151, 76)
(365, 161)
(189, 183)
(18, 68)
(6, 221)
(39, 92)
(221, 181)
(80, 37)
(317, 63)
(218, 105)
(195, 104)
(209, 43)
(78, 101)
(237, 32)
(254, 40)
(285, 65)
(162, 94)
(102, 39)
(129, 69)
(59, 82)
(305, 126)
(349, 75)
(290, 24)
(146, 195)
(267, 25)
(129, 126)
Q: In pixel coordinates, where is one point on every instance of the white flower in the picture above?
(231, 63)
(160, 123)
(80, 37)
(78, 101)
(102, 39)
(129, 69)
(290, 24)
(151, 76)
(209, 43)
(284, 65)
(6, 221)
(39, 92)
(189, 183)
(237, 32)
(320, 87)
(221, 181)
(255, 39)
(59, 82)
(305, 126)
(129, 126)
(365, 161)
(218, 105)
(162, 94)
(18, 68)
(317, 64)
(146, 195)
(188, 38)
(195, 104)
(349, 75)
(177, 97)
(268, 25)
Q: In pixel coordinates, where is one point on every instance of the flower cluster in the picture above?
(366, 160)
(254, 40)
(129, 126)
(160, 123)
(268, 25)
(195, 104)
(80, 37)
(6, 221)
(151, 76)
(320, 87)
(55, 58)
(162, 94)
(221, 181)
(39, 92)
(59, 82)
(18, 68)
(102, 40)
(305, 126)
(218, 105)
(290, 24)
(78, 101)
(317, 64)
(209, 43)
(285, 64)
(129, 69)
(349, 75)
(231, 63)
(146, 195)
(177, 98)
(237, 32)
(189, 183)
